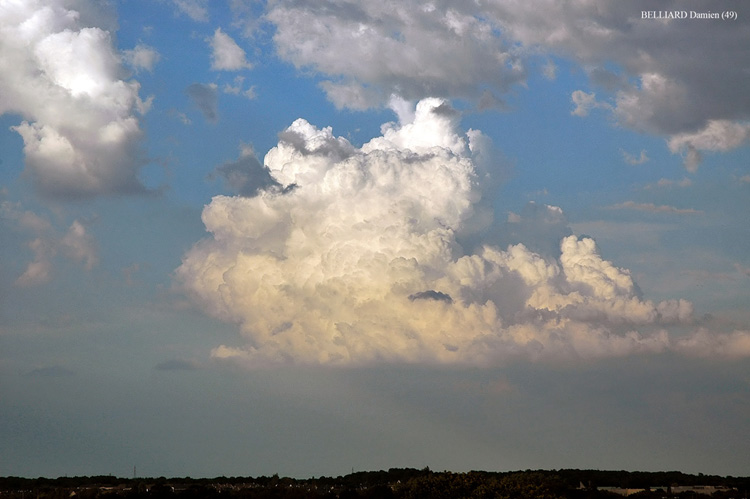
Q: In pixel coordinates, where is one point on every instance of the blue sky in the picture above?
(246, 238)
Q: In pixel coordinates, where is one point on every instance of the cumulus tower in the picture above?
(353, 258)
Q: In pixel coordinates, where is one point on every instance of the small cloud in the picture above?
(141, 57)
(653, 208)
(80, 246)
(26, 220)
(717, 135)
(431, 294)
(668, 183)
(225, 352)
(634, 160)
(585, 103)
(39, 270)
(250, 93)
(745, 179)
(76, 244)
(205, 99)
(180, 116)
(50, 372)
(237, 88)
(178, 365)
(194, 9)
(549, 71)
(227, 55)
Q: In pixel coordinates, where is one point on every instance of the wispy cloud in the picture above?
(663, 183)
(634, 160)
(239, 89)
(653, 208)
(77, 244)
(197, 10)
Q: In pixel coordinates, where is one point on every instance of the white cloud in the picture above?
(238, 88)
(141, 57)
(226, 54)
(356, 260)
(81, 135)
(197, 10)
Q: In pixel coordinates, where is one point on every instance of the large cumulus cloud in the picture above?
(355, 258)
(63, 77)
(681, 79)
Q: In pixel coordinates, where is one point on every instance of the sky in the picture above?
(307, 237)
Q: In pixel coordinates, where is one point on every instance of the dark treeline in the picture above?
(399, 483)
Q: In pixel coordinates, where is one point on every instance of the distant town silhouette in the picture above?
(407, 483)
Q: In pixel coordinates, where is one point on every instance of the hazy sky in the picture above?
(304, 236)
